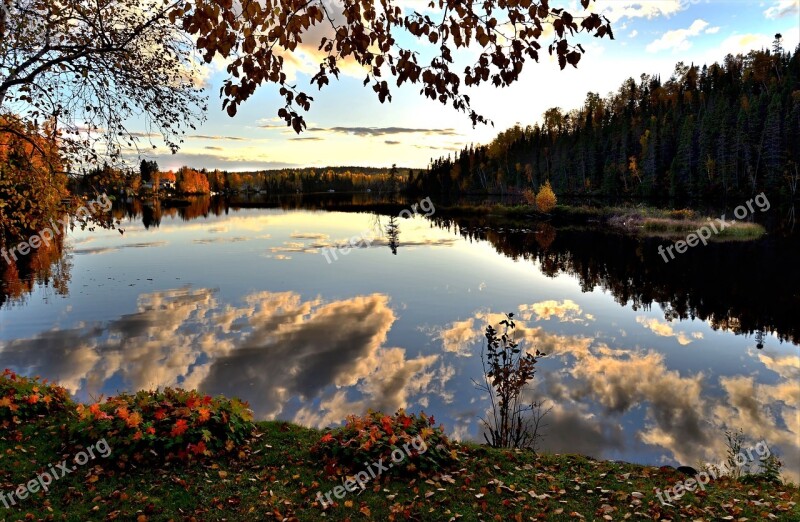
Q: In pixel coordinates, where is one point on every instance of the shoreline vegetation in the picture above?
(636, 220)
(277, 472)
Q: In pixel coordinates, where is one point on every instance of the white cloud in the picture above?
(678, 39)
(639, 9)
(712, 30)
(744, 43)
(565, 311)
(459, 337)
(633, 34)
(783, 8)
(664, 329)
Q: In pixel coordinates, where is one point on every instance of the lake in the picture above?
(646, 361)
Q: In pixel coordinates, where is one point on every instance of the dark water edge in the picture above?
(744, 287)
(780, 219)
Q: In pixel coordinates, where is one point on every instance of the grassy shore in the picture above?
(276, 478)
(642, 221)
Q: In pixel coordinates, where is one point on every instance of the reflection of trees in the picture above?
(743, 287)
(153, 211)
(353, 202)
(45, 266)
(545, 235)
(393, 234)
(151, 214)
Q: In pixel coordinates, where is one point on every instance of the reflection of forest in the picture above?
(153, 211)
(46, 266)
(742, 287)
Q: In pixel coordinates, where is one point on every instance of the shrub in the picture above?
(365, 440)
(514, 423)
(529, 195)
(682, 214)
(168, 424)
(546, 198)
(23, 399)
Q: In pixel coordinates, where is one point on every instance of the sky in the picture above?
(348, 126)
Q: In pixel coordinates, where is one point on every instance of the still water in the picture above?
(647, 362)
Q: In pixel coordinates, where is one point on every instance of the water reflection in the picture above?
(752, 286)
(393, 234)
(741, 287)
(296, 352)
(277, 350)
(45, 267)
(599, 391)
(241, 302)
(316, 361)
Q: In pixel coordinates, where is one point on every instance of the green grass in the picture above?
(671, 228)
(276, 478)
(665, 223)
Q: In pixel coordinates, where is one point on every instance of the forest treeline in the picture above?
(706, 132)
(309, 179)
(187, 180)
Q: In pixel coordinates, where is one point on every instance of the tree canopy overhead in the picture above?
(255, 37)
(91, 66)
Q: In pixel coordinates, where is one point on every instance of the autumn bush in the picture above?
(546, 198)
(514, 422)
(165, 425)
(682, 214)
(530, 196)
(27, 399)
(366, 439)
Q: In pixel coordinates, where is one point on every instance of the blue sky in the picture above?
(348, 125)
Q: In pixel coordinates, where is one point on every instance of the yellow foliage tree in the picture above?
(546, 198)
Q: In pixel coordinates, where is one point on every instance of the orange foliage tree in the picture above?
(168, 176)
(192, 182)
(32, 181)
(32, 185)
